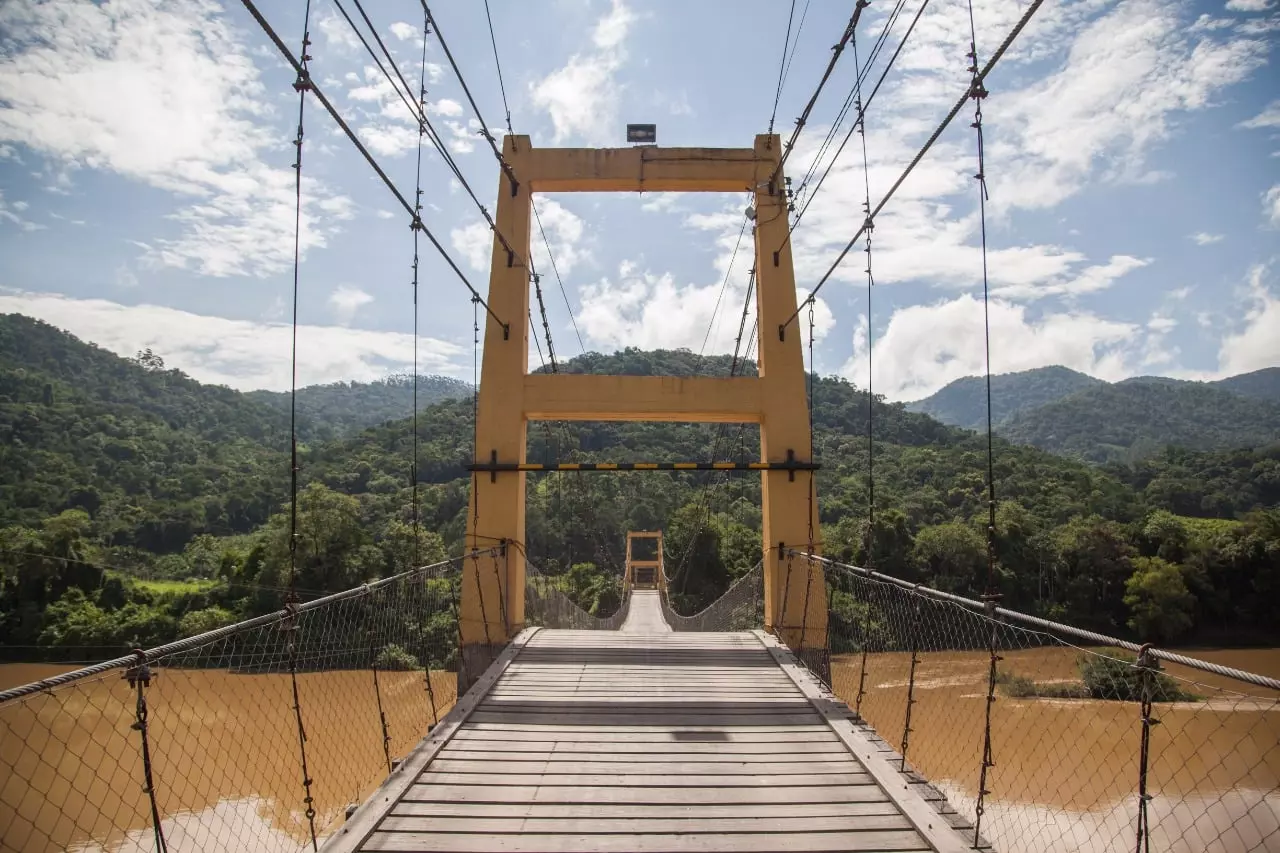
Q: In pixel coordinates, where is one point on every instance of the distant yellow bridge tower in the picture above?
(641, 572)
(492, 605)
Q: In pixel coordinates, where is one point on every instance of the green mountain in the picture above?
(1136, 418)
(341, 408)
(115, 469)
(1263, 384)
(963, 402)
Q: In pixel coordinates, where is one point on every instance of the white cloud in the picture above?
(405, 31)
(660, 202)
(345, 301)
(384, 214)
(1249, 5)
(125, 277)
(446, 107)
(565, 232)
(1271, 206)
(1203, 238)
(582, 96)
(11, 212)
(243, 354)
(475, 242)
(1256, 345)
(924, 347)
(164, 94)
(1269, 117)
(337, 33)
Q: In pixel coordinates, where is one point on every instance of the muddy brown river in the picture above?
(225, 753)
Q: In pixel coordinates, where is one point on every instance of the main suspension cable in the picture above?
(373, 163)
(808, 108)
(978, 80)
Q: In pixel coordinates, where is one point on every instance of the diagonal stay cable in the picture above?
(484, 127)
(420, 117)
(978, 80)
(808, 108)
(560, 281)
(782, 65)
(859, 119)
(502, 87)
(355, 140)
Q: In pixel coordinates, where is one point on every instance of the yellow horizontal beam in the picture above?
(558, 170)
(580, 397)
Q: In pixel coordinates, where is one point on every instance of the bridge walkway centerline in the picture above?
(648, 740)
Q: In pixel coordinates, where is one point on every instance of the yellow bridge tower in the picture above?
(492, 605)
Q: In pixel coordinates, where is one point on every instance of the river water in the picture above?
(225, 754)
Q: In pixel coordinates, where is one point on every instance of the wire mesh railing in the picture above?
(1048, 738)
(740, 608)
(252, 737)
(546, 605)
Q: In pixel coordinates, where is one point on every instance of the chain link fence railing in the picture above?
(547, 606)
(252, 737)
(1048, 738)
(740, 608)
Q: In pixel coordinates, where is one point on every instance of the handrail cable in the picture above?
(808, 108)
(373, 163)
(915, 161)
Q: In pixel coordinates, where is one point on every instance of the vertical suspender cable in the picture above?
(302, 85)
(977, 92)
(416, 227)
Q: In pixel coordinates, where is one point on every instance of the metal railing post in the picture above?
(139, 678)
(1146, 666)
(911, 681)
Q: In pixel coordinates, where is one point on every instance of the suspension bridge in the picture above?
(472, 705)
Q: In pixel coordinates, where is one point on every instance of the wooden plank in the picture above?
(634, 780)
(631, 767)
(640, 826)
(573, 751)
(646, 757)
(941, 837)
(667, 722)
(634, 810)
(366, 817)
(650, 733)
(649, 796)
(672, 726)
(877, 840)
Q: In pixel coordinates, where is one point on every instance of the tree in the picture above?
(955, 556)
(148, 360)
(1158, 598)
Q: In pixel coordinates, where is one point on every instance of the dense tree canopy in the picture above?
(137, 505)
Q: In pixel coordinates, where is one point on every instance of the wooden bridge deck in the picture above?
(647, 741)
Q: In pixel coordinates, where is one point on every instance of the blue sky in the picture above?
(1133, 160)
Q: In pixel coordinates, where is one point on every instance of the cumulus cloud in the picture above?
(345, 301)
(923, 347)
(1119, 76)
(167, 95)
(1271, 206)
(475, 243)
(1203, 238)
(582, 96)
(405, 31)
(1269, 117)
(1255, 344)
(1249, 5)
(243, 354)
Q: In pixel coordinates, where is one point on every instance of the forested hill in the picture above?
(963, 402)
(1131, 420)
(341, 408)
(121, 463)
(1054, 408)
